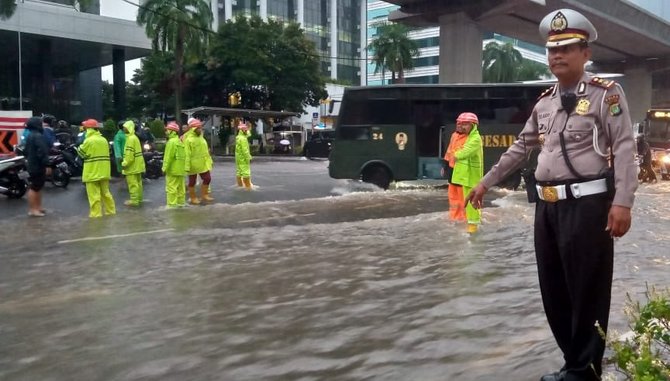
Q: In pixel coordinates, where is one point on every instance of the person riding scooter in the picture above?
(646, 170)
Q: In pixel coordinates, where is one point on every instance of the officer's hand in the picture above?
(618, 221)
(476, 196)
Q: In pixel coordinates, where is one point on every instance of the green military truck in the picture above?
(401, 132)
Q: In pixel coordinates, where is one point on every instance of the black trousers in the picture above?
(575, 263)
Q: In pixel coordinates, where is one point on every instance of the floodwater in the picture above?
(363, 286)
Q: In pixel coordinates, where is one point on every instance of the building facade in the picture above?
(426, 66)
(53, 54)
(333, 25)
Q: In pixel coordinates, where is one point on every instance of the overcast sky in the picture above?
(122, 10)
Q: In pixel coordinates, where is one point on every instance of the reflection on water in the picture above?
(285, 297)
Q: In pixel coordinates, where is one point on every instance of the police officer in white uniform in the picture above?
(586, 180)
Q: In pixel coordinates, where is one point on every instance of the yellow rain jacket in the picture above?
(242, 155)
(174, 159)
(198, 159)
(133, 161)
(95, 152)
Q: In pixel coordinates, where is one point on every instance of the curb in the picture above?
(261, 158)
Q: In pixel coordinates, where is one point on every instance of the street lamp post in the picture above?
(20, 76)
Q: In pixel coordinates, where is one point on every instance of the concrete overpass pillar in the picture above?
(637, 83)
(460, 49)
(119, 76)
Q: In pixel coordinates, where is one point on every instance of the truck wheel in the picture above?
(378, 176)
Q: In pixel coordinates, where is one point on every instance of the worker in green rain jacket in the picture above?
(198, 161)
(97, 170)
(174, 162)
(469, 166)
(119, 147)
(243, 157)
(133, 165)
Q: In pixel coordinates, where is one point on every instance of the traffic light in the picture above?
(234, 99)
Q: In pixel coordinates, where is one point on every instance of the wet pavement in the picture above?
(335, 281)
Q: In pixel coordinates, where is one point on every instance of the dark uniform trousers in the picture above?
(575, 262)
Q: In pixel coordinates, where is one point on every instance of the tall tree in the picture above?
(500, 62)
(272, 64)
(152, 89)
(532, 70)
(181, 26)
(393, 49)
(503, 63)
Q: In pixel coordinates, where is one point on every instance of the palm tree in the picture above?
(501, 62)
(7, 9)
(532, 70)
(181, 26)
(394, 50)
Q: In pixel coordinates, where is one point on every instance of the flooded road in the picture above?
(361, 286)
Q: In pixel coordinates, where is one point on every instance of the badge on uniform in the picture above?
(541, 139)
(615, 109)
(582, 106)
(613, 102)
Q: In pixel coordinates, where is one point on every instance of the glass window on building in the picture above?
(246, 7)
(284, 10)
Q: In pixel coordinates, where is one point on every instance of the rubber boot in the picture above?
(204, 193)
(240, 183)
(247, 183)
(194, 198)
(472, 228)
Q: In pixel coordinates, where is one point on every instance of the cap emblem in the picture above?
(559, 23)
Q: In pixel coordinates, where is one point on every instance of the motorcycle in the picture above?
(60, 173)
(153, 161)
(75, 163)
(645, 172)
(13, 176)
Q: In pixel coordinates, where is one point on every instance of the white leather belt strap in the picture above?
(559, 192)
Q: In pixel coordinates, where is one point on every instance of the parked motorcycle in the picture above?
(13, 176)
(74, 162)
(60, 173)
(153, 161)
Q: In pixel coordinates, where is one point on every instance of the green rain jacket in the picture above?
(119, 144)
(95, 152)
(174, 158)
(133, 161)
(242, 153)
(469, 167)
(197, 154)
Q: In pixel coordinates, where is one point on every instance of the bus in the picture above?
(401, 132)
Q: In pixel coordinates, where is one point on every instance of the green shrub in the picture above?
(644, 354)
(157, 128)
(109, 129)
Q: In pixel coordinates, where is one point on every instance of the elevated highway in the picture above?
(631, 40)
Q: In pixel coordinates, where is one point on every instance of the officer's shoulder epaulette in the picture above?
(600, 82)
(546, 92)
